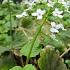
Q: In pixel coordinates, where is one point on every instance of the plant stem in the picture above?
(34, 39)
(21, 59)
(10, 17)
(9, 8)
(65, 52)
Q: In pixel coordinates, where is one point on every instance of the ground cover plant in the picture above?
(34, 35)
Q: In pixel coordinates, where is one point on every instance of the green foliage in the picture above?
(27, 67)
(16, 68)
(50, 60)
(61, 41)
(6, 62)
(20, 34)
(56, 43)
(19, 39)
(26, 22)
(35, 51)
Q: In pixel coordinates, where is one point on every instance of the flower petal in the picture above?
(53, 24)
(39, 17)
(53, 30)
(34, 14)
(24, 14)
(60, 16)
(19, 16)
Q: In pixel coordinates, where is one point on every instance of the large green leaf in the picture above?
(16, 68)
(6, 62)
(35, 51)
(19, 39)
(49, 60)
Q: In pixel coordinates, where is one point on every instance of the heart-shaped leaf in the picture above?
(27, 67)
(16, 68)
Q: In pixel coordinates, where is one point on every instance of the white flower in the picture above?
(55, 27)
(53, 24)
(32, 0)
(38, 1)
(50, 4)
(60, 26)
(30, 3)
(19, 16)
(44, 1)
(53, 30)
(60, 1)
(49, 1)
(22, 14)
(66, 4)
(39, 13)
(57, 13)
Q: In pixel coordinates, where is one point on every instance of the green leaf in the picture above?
(3, 49)
(49, 60)
(5, 40)
(14, 24)
(6, 62)
(29, 67)
(57, 43)
(55, 19)
(67, 62)
(64, 36)
(35, 51)
(3, 29)
(26, 22)
(16, 68)
(19, 39)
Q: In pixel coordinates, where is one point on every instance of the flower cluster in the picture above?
(40, 12)
(55, 29)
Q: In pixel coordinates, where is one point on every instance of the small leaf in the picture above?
(67, 62)
(29, 67)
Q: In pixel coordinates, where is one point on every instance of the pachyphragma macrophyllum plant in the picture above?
(34, 35)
